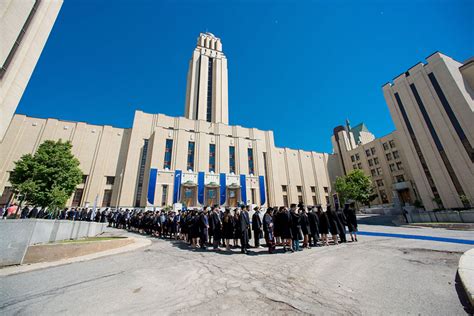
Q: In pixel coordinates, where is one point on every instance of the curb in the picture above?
(466, 273)
(137, 244)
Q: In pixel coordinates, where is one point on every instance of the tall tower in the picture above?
(206, 91)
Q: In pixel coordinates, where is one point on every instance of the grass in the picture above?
(88, 239)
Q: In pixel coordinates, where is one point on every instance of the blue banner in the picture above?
(152, 186)
(223, 188)
(177, 185)
(201, 187)
(243, 189)
(261, 182)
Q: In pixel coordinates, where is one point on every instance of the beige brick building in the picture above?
(196, 160)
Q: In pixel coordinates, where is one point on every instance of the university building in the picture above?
(197, 160)
(200, 159)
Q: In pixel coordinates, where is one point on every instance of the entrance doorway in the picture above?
(405, 196)
(212, 196)
(232, 197)
(188, 195)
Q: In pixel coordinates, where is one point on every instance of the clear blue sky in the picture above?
(297, 68)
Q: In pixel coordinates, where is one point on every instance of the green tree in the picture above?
(355, 186)
(49, 177)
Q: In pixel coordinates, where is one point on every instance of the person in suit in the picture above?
(257, 226)
(313, 220)
(244, 230)
(268, 229)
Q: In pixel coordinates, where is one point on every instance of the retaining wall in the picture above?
(17, 234)
(441, 216)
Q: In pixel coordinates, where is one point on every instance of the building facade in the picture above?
(432, 107)
(24, 28)
(196, 160)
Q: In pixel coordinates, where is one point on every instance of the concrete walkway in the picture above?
(466, 273)
(138, 242)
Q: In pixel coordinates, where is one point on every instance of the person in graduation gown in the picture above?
(351, 217)
(295, 227)
(323, 226)
(237, 232)
(313, 220)
(204, 228)
(305, 228)
(216, 224)
(341, 223)
(257, 226)
(284, 221)
(333, 226)
(24, 212)
(227, 228)
(244, 221)
(268, 229)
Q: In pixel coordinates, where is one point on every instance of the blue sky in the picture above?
(299, 68)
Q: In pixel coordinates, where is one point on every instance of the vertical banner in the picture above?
(177, 185)
(152, 186)
(261, 181)
(243, 189)
(223, 188)
(201, 188)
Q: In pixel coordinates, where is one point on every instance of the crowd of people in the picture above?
(293, 228)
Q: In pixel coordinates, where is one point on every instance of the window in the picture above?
(371, 162)
(367, 152)
(84, 179)
(372, 150)
(313, 189)
(392, 144)
(327, 200)
(396, 154)
(392, 167)
(373, 172)
(285, 200)
(298, 188)
(300, 199)
(164, 194)
(232, 159)
(251, 166)
(252, 194)
(383, 196)
(168, 154)
(357, 156)
(376, 160)
(354, 166)
(6, 196)
(109, 180)
(385, 146)
(352, 158)
(389, 156)
(379, 171)
(359, 165)
(209, 89)
(107, 198)
(380, 183)
(314, 200)
(399, 165)
(77, 199)
(190, 164)
(284, 188)
(212, 158)
(400, 178)
(326, 189)
(141, 173)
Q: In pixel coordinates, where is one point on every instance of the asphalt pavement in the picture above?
(377, 275)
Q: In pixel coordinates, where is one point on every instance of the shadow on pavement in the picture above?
(462, 295)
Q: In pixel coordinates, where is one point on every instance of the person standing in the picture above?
(305, 228)
(295, 227)
(333, 227)
(323, 226)
(216, 227)
(227, 228)
(285, 228)
(341, 223)
(244, 230)
(204, 229)
(351, 217)
(257, 226)
(237, 231)
(268, 229)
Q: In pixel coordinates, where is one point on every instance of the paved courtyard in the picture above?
(377, 275)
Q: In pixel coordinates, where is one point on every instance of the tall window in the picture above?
(252, 194)
(232, 159)
(285, 200)
(212, 158)
(209, 90)
(190, 165)
(164, 194)
(168, 154)
(109, 180)
(251, 166)
(76, 200)
(107, 198)
(141, 173)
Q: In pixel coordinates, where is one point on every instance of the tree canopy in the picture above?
(355, 186)
(49, 177)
